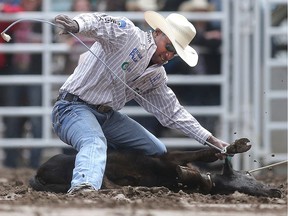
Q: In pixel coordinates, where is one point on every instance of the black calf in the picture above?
(171, 170)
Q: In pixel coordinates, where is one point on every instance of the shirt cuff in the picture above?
(80, 22)
(203, 135)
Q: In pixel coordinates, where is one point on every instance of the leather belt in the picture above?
(71, 97)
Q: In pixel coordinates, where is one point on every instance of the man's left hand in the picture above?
(218, 143)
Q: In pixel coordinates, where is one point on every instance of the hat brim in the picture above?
(155, 20)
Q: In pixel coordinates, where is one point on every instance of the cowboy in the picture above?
(124, 64)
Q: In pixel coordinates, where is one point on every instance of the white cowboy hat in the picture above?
(180, 32)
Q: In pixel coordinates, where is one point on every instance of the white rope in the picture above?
(268, 166)
(7, 38)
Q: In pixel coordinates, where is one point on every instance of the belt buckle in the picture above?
(103, 108)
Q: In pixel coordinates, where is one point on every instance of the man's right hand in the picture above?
(67, 24)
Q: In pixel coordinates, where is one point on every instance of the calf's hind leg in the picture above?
(191, 176)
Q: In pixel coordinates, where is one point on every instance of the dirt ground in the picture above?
(16, 198)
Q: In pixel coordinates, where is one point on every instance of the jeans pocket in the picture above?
(62, 112)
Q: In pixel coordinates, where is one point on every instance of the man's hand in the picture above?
(67, 24)
(220, 144)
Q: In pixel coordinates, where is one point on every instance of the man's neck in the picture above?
(150, 63)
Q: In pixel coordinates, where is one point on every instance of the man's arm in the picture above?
(170, 113)
(217, 142)
(164, 99)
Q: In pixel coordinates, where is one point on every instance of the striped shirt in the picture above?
(126, 50)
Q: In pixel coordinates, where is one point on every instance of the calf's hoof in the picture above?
(239, 146)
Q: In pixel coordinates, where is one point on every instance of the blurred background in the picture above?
(238, 88)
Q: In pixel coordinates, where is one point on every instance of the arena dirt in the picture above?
(16, 198)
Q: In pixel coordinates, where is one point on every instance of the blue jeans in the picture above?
(91, 132)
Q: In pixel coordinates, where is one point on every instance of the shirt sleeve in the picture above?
(111, 32)
(164, 99)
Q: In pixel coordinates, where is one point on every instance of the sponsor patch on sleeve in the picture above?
(121, 23)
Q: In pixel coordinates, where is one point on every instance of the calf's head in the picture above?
(231, 180)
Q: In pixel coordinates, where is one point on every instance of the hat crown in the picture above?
(183, 30)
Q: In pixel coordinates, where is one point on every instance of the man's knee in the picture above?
(162, 150)
(96, 141)
(159, 149)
